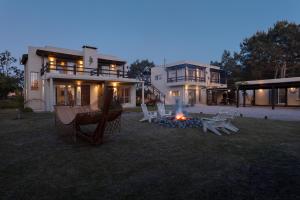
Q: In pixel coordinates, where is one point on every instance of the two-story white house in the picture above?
(57, 76)
(187, 80)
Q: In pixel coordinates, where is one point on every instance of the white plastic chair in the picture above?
(148, 115)
(222, 122)
(162, 110)
(214, 125)
(228, 116)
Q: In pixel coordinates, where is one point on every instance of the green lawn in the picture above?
(146, 161)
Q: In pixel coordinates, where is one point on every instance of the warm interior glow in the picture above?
(292, 90)
(113, 66)
(114, 84)
(51, 59)
(180, 116)
(260, 90)
(80, 62)
(78, 82)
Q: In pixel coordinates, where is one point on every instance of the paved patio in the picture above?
(279, 113)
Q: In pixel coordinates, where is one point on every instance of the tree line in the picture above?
(11, 77)
(274, 53)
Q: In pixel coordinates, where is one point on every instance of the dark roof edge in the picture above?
(24, 59)
(89, 47)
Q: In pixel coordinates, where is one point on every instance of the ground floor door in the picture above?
(71, 95)
(279, 96)
(191, 96)
(85, 95)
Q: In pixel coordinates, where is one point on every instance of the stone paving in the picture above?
(279, 113)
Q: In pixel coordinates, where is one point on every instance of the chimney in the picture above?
(90, 56)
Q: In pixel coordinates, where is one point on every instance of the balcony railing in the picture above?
(219, 81)
(185, 78)
(80, 70)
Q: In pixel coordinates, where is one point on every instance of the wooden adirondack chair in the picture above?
(162, 110)
(148, 115)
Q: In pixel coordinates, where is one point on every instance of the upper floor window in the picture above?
(34, 83)
(158, 77)
(214, 77)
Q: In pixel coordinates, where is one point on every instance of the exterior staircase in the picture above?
(153, 94)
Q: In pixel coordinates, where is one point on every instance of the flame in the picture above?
(180, 116)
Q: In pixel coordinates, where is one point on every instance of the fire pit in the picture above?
(172, 122)
(180, 119)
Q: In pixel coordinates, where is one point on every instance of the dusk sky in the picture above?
(137, 29)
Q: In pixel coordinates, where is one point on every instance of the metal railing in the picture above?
(217, 80)
(81, 70)
(185, 78)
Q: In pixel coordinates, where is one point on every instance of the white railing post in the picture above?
(143, 99)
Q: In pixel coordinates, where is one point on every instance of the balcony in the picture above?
(80, 70)
(185, 79)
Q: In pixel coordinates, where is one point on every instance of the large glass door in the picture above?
(191, 96)
(69, 95)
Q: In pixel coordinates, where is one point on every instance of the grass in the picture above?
(146, 161)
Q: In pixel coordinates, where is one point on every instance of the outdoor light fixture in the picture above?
(292, 90)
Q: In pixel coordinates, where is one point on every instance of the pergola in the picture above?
(271, 84)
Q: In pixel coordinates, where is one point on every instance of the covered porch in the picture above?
(271, 92)
(86, 92)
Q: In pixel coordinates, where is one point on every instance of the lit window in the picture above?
(34, 83)
(175, 93)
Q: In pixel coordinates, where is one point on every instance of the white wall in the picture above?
(89, 53)
(293, 98)
(94, 96)
(262, 97)
(33, 98)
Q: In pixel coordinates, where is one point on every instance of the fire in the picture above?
(180, 116)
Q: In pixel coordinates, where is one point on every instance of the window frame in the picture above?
(34, 84)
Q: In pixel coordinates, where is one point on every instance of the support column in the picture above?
(51, 95)
(273, 97)
(244, 98)
(143, 94)
(254, 98)
(237, 97)
(286, 97)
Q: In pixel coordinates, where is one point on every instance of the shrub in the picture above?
(27, 109)
(12, 103)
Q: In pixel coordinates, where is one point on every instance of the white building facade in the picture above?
(187, 80)
(57, 76)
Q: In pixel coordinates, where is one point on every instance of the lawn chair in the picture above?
(162, 110)
(214, 125)
(148, 115)
(228, 116)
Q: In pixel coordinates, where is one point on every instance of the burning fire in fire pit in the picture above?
(180, 116)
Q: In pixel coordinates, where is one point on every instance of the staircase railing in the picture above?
(156, 92)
